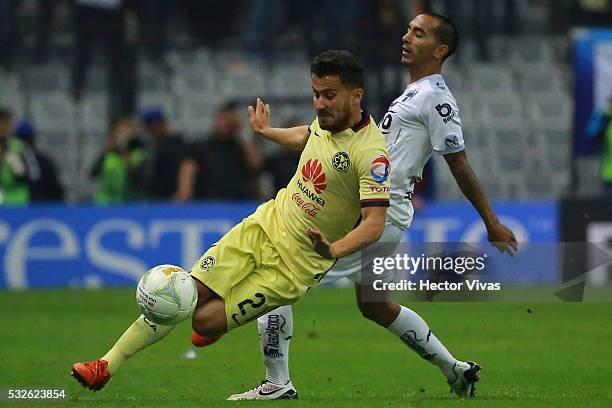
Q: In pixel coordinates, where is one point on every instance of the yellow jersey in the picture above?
(337, 175)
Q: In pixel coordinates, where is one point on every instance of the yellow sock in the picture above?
(140, 334)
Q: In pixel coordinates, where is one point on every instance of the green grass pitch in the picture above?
(534, 354)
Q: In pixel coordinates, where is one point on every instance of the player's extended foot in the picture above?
(267, 391)
(466, 376)
(93, 375)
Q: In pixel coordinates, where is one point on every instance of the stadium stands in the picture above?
(516, 109)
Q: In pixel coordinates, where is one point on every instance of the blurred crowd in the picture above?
(144, 158)
(126, 29)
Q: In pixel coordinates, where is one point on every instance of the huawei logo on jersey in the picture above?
(313, 171)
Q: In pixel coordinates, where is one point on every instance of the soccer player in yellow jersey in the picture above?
(334, 205)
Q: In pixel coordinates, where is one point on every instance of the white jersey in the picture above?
(423, 119)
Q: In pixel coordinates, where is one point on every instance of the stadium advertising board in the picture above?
(590, 221)
(88, 246)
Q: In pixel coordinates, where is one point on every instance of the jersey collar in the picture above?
(426, 78)
(365, 120)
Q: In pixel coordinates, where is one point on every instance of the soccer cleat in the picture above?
(93, 375)
(466, 376)
(267, 391)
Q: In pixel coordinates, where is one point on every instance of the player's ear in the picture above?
(441, 52)
(357, 96)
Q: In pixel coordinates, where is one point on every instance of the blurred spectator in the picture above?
(44, 19)
(599, 129)
(45, 184)
(154, 16)
(120, 168)
(211, 21)
(222, 166)
(15, 175)
(167, 154)
(330, 24)
(9, 38)
(262, 21)
(381, 21)
(106, 20)
(477, 22)
(326, 23)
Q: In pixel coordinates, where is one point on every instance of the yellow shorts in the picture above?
(247, 272)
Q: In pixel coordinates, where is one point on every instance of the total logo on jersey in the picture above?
(379, 168)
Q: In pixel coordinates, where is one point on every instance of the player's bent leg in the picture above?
(209, 319)
(275, 332)
(142, 333)
(382, 313)
(415, 333)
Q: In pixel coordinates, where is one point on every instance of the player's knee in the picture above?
(207, 328)
(371, 310)
(209, 320)
(378, 312)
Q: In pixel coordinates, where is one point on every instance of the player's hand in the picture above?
(320, 243)
(502, 238)
(259, 116)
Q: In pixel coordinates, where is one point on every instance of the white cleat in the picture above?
(267, 391)
(466, 376)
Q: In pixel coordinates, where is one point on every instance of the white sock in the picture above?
(140, 334)
(275, 331)
(413, 331)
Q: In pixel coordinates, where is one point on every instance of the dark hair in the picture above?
(339, 62)
(446, 32)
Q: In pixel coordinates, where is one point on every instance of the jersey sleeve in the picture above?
(440, 116)
(373, 171)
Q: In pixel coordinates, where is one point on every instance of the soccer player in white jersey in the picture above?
(424, 118)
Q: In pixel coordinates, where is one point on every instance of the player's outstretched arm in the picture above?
(292, 138)
(368, 231)
(499, 235)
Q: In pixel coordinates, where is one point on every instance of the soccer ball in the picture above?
(166, 294)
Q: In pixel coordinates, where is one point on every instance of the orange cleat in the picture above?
(93, 375)
(202, 341)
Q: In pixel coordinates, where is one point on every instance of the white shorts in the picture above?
(350, 266)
